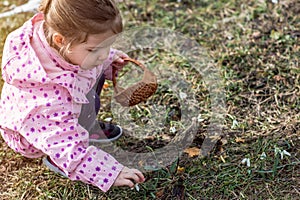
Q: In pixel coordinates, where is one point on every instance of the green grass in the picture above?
(255, 45)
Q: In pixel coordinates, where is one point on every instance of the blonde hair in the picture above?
(77, 19)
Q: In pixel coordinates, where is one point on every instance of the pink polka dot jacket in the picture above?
(40, 104)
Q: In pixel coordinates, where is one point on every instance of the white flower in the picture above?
(199, 118)
(275, 1)
(108, 119)
(234, 124)
(263, 156)
(182, 95)
(246, 161)
(277, 150)
(281, 152)
(173, 129)
(136, 186)
(286, 153)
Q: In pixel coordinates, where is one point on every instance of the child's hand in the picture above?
(118, 62)
(128, 177)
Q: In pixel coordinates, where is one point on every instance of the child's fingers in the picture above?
(128, 182)
(128, 177)
(122, 54)
(132, 176)
(123, 181)
(119, 60)
(119, 56)
(140, 176)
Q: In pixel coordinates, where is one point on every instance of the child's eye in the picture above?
(92, 50)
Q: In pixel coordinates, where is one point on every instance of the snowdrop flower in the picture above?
(199, 118)
(173, 129)
(108, 119)
(182, 95)
(263, 156)
(246, 161)
(284, 152)
(281, 155)
(275, 1)
(234, 124)
(136, 186)
(277, 150)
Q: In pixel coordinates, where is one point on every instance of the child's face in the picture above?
(93, 52)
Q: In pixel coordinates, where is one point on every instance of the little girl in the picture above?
(54, 67)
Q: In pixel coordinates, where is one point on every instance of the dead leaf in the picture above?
(221, 150)
(180, 170)
(150, 138)
(239, 140)
(141, 163)
(159, 193)
(256, 34)
(222, 158)
(224, 141)
(194, 151)
(2, 169)
(166, 137)
(278, 78)
(190, 11)
(105, 85)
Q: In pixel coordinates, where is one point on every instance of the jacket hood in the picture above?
(25, 67)
(20, 65)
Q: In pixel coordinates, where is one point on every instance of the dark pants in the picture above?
(88, 114)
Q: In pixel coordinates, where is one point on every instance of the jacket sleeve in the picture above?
(53, 128)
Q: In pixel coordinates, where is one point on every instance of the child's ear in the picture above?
(58, 39)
